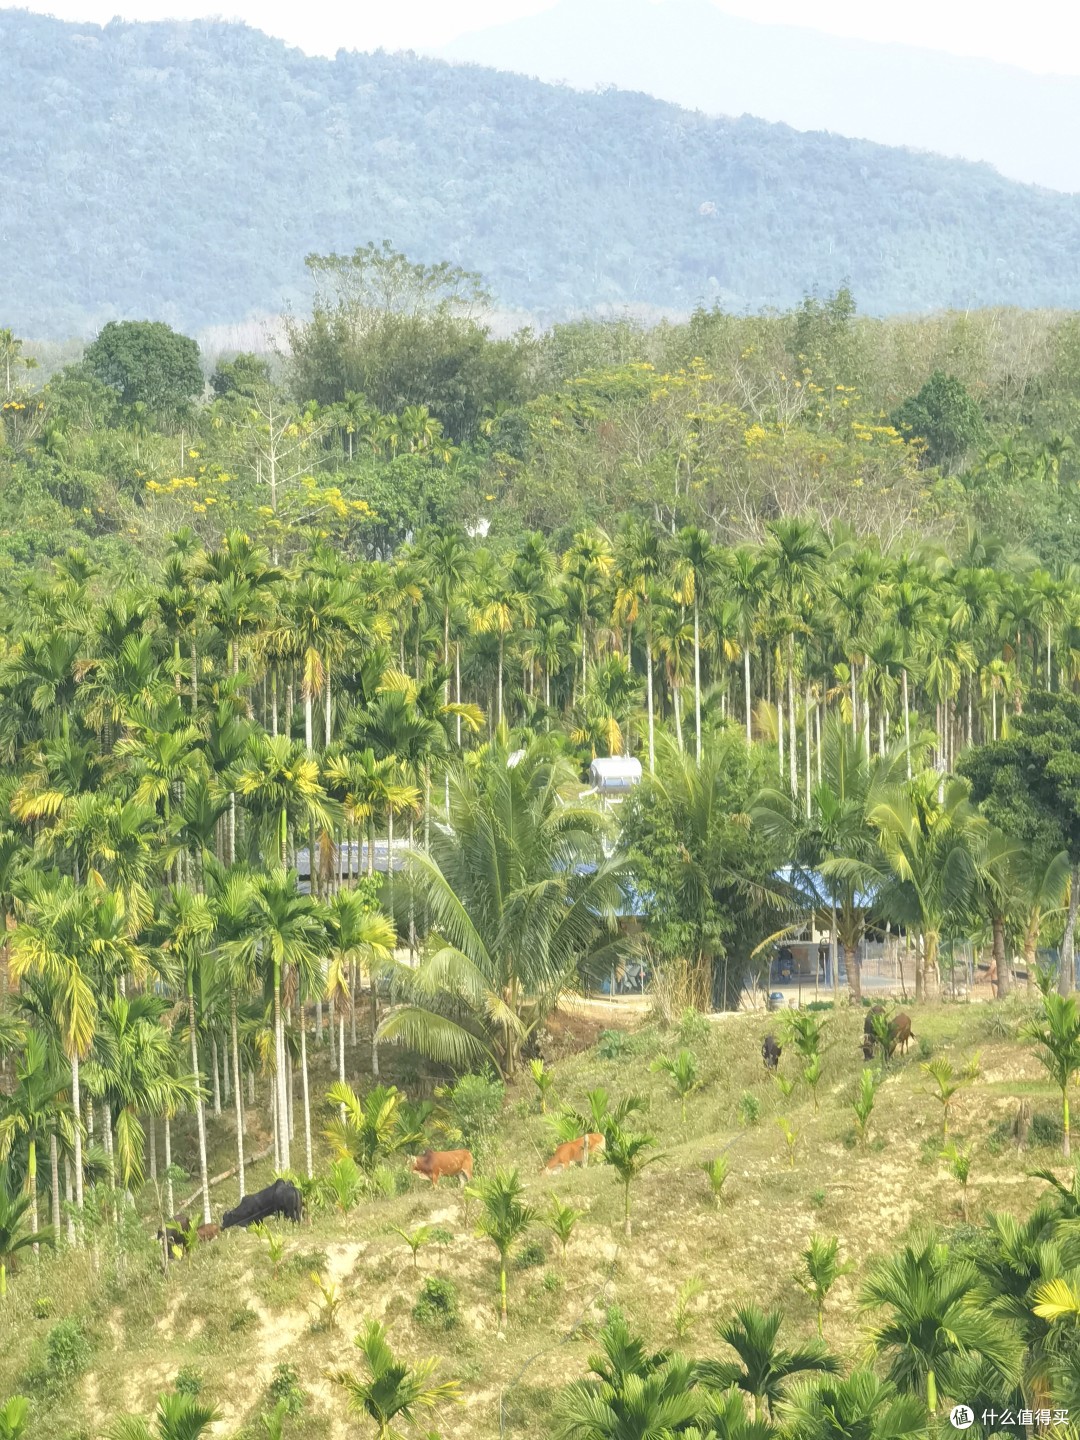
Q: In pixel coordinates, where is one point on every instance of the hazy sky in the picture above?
(1041, 35)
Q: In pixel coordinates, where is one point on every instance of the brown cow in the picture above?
(434, 1164)
(572, 1153)
(900, 1034)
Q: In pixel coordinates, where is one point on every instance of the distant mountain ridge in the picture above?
(692, 54)
(182, 171)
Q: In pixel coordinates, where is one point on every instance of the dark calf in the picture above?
(771, 1052)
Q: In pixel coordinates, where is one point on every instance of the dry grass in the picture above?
(224, 1312)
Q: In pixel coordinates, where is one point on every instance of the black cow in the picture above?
(176, 1232)
(281, 1198)
(771, 1052)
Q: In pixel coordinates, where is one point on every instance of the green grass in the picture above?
(224, 1312)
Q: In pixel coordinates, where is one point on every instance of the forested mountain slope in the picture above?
(182, 171)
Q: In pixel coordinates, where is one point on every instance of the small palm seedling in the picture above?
(716, 1171)
(791, 1138)
(626, 1152)
(391, 1392)
(881, 1030)
(331, 1301)
(275, 1244)
(783, 1084)
(544, 1081)
(561, 1220)
(683, 1074)
(344, 1183)
(822, 1267)
(14, 1418)
(273, 1421)
(812, 1073)
(504, 1219)
(804, 1031)
(178, 1417)
(958, 1159)
(442, 1237)
(416, 1240)
(863, 1104)
(972, 1068)
(1056, 1033)
(683, 1318)
(946, 1086)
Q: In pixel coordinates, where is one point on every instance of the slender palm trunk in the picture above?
(237, 1095)
(307, 1097)
(200, 1118)
(1065, 973)
(649, 698)
(214, 1073)
(792, 753)
(76, 1106)
(747, 693)
(170, 1200)
(677, 707)
(1001, 960)
(54, 1182)
(697, 678)
(280, 1077)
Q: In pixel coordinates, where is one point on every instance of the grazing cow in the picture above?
(175, 1232)
(434, 1164)
(281, 1198)
(206, 1233)
(771, 1052)
(900, 1034)
(573, 1153)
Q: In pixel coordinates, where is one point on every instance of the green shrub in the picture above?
(1045, 1129)
(926, 1048)
(476, 1102)
(189, 1381)
(613, 1044)
(67, 1355)
(531, 1254)
(819, 1005)
(749, 1109)
(43, 1307)
(242, 1319)
(553, 1282)
(285, 1387)
(437, 1304)
(694, 1028)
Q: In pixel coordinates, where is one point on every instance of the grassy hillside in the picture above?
(227, 1314)
(182, 171)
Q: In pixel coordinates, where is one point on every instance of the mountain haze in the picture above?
(689, 52)
(183, 170)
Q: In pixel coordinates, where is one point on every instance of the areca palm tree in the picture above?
(796, 552)
(355, 934)
(186, 928)
(860, 1407)
(1056, 1034)
(640, 565)
(697, 562)
(504, 1219)
(15, 1238)
(520, 893)
(393, 1393)
(178, 1417)
(763, 1367)
(33, 1112)
(286, 940)
(930, 1324)
(66, 933)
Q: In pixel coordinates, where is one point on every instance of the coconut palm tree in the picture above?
(520, 893)
(392, 1393)
(930, 1324)
(763, 1367)
(504, 1218)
